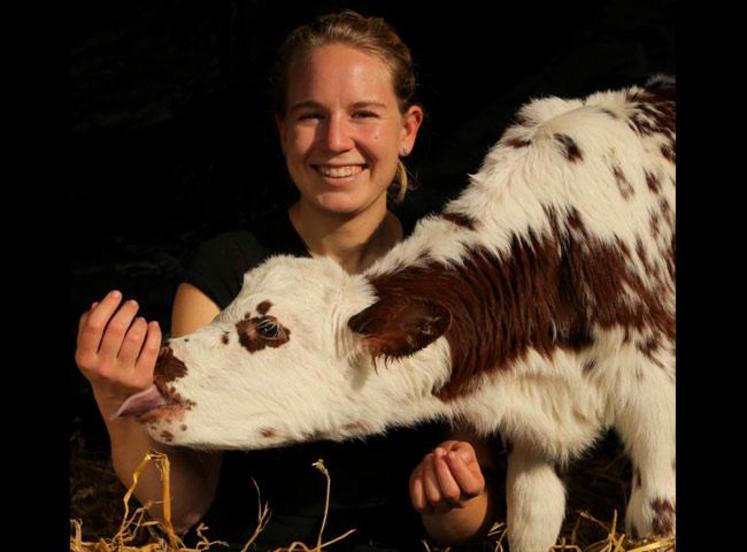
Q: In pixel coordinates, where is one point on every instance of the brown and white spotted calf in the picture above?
(539, 304)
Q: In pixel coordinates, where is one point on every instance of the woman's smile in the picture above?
(337, 175)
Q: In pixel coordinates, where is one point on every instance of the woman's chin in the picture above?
(340, 203)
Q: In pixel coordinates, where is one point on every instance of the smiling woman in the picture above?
(342, 133)
(341, 150)
(346, 114)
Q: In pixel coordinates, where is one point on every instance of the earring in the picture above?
(405, 151)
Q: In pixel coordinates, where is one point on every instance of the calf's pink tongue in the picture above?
(141, 402)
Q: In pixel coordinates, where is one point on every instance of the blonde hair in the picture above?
(372, 35)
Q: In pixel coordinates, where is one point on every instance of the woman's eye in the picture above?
(309, 116)
(268, 328)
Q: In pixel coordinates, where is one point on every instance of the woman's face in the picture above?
(343, 133)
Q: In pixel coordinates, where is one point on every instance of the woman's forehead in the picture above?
(340, 72)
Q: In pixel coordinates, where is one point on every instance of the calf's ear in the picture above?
(400, 326)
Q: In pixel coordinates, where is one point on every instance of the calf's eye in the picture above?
(268, 328)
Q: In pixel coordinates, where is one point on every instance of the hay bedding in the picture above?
(597, 490)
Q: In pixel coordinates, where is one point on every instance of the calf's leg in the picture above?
(535, 501)
(646, 424)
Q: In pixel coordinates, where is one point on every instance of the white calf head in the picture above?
(279, 365)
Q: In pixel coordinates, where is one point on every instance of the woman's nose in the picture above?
(337, 134)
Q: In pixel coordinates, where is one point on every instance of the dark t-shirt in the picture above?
(369, 490)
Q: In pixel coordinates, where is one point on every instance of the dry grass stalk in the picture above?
(131, 524)
(298, 546)
(263, 517)
(614, 541)
(497, 533)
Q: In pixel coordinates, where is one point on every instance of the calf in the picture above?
(539, 304)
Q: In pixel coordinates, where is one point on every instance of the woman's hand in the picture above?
(447, 478)
(116, 355)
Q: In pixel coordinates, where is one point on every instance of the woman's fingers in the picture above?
(430, 481)
(91, 329)
(449, 489)
(146, 362)
(117, 352)
(115, 332)
(417, 493)
(446, 478)
(467, 474)
(82, 322)
(133, 342)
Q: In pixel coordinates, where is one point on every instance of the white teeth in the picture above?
(339, 172)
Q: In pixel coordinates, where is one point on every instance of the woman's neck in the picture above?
(353, 241)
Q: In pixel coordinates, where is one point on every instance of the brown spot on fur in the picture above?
(625, 187)
(649, 346)
(354, 426)
(460, 219)
(668, 153)
(642, 256)
(183, 427)
(546, 293)
(654, 223)
(186, 340)
(517, 143)
(168, 367)
(638, 482)
(570, 148)
(267, 432)
(589, 365)
(224, 339)
(263, 307)
(653, 183)
(167, 436)
(653, 113)
(663, 522)
(316, 435)
(666, 211)
(252, 338)
(608, 112)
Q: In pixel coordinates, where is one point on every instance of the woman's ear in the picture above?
(412, 119)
